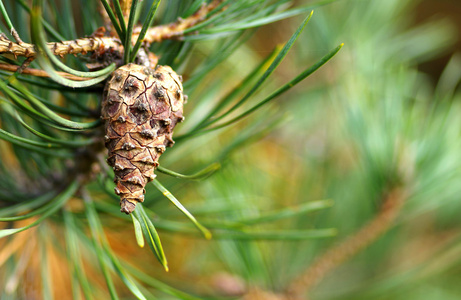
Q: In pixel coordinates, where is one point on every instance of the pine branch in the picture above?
(105, 44)
(78, 46)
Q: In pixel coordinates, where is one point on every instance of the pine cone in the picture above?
(140, 108)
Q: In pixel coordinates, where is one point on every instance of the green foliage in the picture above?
(53, 141)
(380, 123)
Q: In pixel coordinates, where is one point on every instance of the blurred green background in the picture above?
(385, 111)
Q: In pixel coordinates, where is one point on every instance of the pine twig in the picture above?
(340, 253)
(37, 72)
(102, 44)
(16, 36)
(78, 46)
(176, 29)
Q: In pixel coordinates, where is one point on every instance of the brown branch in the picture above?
(78, 46)
(351, 246)
(38, 73)
(176, 29)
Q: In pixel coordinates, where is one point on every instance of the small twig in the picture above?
(16, 37)
(351, 246)
(24, 65)
(37, 72)
(176, 29)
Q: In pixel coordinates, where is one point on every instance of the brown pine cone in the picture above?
(140, 108)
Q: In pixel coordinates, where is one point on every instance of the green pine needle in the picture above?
(206, 233)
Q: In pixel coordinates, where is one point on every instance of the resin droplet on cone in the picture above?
(140, 107)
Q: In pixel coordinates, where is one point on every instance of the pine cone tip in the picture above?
(127, 206)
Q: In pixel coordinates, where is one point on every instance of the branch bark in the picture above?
(78, 46)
